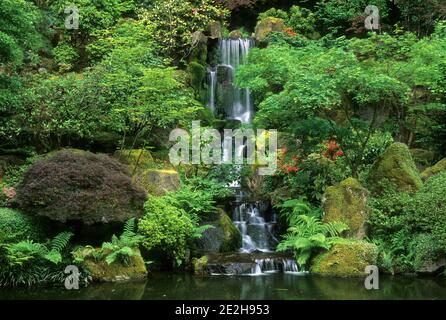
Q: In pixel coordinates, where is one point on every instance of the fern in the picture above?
(307, 234)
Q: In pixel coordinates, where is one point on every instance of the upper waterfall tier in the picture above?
(224, 97)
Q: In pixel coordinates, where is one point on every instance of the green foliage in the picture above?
(307, 234)
(16, 226)
(166, 228)
(194, 201)
(122, 248)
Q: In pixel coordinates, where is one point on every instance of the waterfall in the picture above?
(224, 96)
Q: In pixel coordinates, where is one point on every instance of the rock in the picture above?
(101, 271)
(158, 182)
(213, 30)
(437, 168)
(347, 202)
(348, 259)
(397, 167)
(432, 267)
(199, 48)
(422, 158)
(267, 26)
(224, 237)
(236, 34)
(136, 159)
(200, 265)
(197, 74)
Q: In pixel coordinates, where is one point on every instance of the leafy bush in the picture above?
(76, 185)
(16, 226)
(195, 202)
(307, 233)
(166, 228)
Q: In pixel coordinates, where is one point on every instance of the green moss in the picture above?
(197, 74)
(158, 182)
(436, 169)
(136, 159)
(422, 157)
(200, 265)
(267, 26)
(16, 226)
(397, 167)
(347, 259)
(346, 202)
(232, 238)
(100, 271)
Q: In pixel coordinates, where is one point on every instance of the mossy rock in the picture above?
(200, 265)
(197, 75)
(224, 237)
(101, 271)
(348, 259)
(213, 30)
(158, 182)
(397, 167)
(436, 169)
(136, 159)
(236, 34)
(347, 202)
(268, 25)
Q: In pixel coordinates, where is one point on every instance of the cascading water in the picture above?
(254, 219)
(224, 96)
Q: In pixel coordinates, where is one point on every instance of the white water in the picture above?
(232, 54)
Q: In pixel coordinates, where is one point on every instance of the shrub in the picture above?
(16, 226)
(427, 212)
(81, 186)
(166, 229)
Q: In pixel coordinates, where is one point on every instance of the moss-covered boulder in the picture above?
(268, 25)
(348, 259)
(236, 34)
(213, 30)
(158, 182)
(397, 167)
(199, 265)
(136, 159)
(436, 169)
(224, 237)
(101, 271)
(423, 158)
(347, 202)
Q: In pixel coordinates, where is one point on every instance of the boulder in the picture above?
(236, 34)
(136, 159)
(200, 265)
(101, 271)
(437, 168)
(224, 237)
(267, 26)
(432, 267)
(397, 167)
(213, 30)
(348, 259)
(423, 158)
(347, 202)
(158, 182)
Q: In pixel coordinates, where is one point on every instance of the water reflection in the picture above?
(273, 286)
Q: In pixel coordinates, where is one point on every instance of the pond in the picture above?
(278, 286)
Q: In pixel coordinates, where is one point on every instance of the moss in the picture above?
(197, 74)
(397, 167)
(346, 202)
(16, 226)
(232, 238)
(158, 182)
(268, 25)
(436, 169)
(422, 157)
(136, 159)
(348, 259)
(236, 34)
(200, 265)
(100, 271)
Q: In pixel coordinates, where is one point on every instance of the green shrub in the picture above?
(81, 186)
(16, 226)
(166, 229)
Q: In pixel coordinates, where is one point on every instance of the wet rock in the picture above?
(213, 30)
(397, 167)
(236, 34)
(158, 182)
(347, 202)
(432, 267)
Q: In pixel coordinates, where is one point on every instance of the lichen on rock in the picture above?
(435, 169)
(268, 25)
